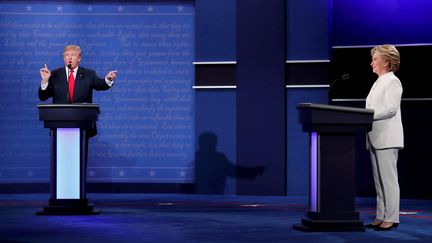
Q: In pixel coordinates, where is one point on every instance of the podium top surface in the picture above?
(335, 119)
(71, 106)
(60, 114)
(333, 108)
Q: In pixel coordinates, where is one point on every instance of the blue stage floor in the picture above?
(194, 218)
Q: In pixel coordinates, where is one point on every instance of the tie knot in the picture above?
(71, 70)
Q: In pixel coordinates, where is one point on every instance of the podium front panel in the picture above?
(313, 197)
(68, 163)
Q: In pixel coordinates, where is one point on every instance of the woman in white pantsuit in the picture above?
(386, 137)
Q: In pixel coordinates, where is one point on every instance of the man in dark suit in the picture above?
(72, 84)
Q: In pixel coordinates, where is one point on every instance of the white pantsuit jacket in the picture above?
(385, 98)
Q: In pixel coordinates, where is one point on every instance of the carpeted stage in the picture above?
(195, 218)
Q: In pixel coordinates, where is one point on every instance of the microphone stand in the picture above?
(68, 74)
(345, 76)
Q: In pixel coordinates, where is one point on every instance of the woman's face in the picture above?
(379, 65)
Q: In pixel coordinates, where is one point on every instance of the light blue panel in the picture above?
(298, 141)
(68, 163)
(313, 195)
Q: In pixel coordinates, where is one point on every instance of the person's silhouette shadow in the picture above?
(213, 167)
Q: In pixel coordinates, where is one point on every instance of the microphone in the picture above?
(69, 68)
(345, 76)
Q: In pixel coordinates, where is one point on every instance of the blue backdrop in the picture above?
(373, 22)
(146, 128)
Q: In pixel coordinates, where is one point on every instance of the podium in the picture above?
(71, 126)
(332, 132)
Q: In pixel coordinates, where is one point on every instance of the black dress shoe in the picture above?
(393, 226)
(372, 226)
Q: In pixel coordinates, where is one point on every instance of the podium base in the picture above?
(69, 207)
(330, 221)
(329, 226)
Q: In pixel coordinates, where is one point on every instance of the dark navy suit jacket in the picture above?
(85, 82)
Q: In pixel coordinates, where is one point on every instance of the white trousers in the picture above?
(384, 166)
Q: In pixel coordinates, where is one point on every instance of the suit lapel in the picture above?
(371, 93)
(78, 82)
(62, 81)
(63, 76)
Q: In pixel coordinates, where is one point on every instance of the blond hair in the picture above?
(390, 54)
(72, 48)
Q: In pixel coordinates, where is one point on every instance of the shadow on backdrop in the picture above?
(212, 167)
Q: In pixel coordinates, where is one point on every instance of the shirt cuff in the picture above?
(109, 82)
(44, 85)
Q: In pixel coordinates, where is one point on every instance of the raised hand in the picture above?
(45, 73)
(111, 75)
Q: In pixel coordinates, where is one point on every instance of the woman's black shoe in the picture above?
(372, 226)
(393, 226)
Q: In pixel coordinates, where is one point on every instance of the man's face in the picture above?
(71, 57)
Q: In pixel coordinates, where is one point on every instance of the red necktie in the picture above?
(71, 82)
